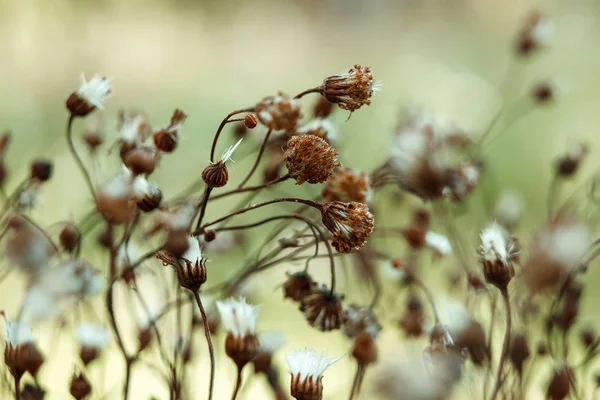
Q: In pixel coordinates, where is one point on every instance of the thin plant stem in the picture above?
(251, 188)
(238, 383)
(505, 346)
(84, 172)
(353, 390)
(258, 157)
(17, 387)
(418, 282)
(202, 205)
(308, 91)
(211, 349)
(221, 126)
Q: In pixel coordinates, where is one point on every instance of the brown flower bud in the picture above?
(323, 309)
(165, 140)
(346, 184)
(560, 385)
(365, 350)
(151, 200)
(519, 352)
(216, 175)
(141, 160)
(569, 163)
(91, 94)
(41, 170)
(413, 322)
(349, 223)
(177, 243)
(78, 106)
(250, 121)
(192, 273)
(298, 285)
(322, 108)
(279, 112)
(543, 92)
(351, 90)
(80, 387)
(497, 256)
(88, 354)
(310, 159)
(262, 362)
(210, 235)
(241, 350)
(23, 358)
(69, 238)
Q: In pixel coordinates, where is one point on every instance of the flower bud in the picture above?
(141, 160)
(89, 96)
(250, 121)
(41, 170)
(80, 387)
(298, 285)
(69, 238)
(216, 175)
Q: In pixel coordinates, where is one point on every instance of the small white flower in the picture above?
(17, 333)
(308, 363)
(439, 243)
(229, 152)
(133, 128)
(93, 335)
(95, 91)
(494, 245)
(238, 317)
(271, 341)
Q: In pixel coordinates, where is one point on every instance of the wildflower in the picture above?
(279, 112)
(346, 184)
(239, 320)
(307, 368)
(80, 387)
(92, 339)
(90, 95)
(41, 170)
(351, 90)
(216, 174)
(309, 158)
(556, 249)
(323, 309)
(360, 319)
(349, 223)
(166, 139)
(69, 238)
(322, 128)
(298, 285)
(497, 254)
(21, 354)
(413, 321)
(270, 342)
(190, 266)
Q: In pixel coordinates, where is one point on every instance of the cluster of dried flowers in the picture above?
(438, 164)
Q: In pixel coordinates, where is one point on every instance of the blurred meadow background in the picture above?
(454, 58)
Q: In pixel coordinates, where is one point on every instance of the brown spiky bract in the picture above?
(310, 159)
(346, 184)
(350, 91)
(349, 223)
(323, 309)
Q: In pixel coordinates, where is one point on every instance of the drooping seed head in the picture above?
(349, 223)
(350, 90)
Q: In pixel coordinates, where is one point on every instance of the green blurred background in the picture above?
(210, 57)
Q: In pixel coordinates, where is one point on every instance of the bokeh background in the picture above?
(452, 57)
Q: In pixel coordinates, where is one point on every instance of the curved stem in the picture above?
(258, 157)
(313, 90)
(429, 296)
(225, 121)
(84, 172)
(251, 188)
(202, 205)
(238, 383)
(355, 382)
(128, 364)
(505, 346)
(211, 349)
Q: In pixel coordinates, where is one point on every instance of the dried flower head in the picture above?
(322, 108)
(346, 184)
(69, 237)
(350, 90)
(166, 139)
(190, 266)
(92, 339)
(413, 321)
(239, 320)
(80, 387)
(309, 158)
(41, 170)
(115, 199)
(307, 368)
(279, 112)
(134, 128)
(473, 339)
(519, 352)
(497, 254)
(20, 354)
(365, 350)
(349, 223)
(147, 196)
(216, 175)
(90, 95)
(323, 309)
(359, 320)
(298, 285)
(142, 159)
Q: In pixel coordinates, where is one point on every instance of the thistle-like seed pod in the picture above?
(350, 224)
(89, 96)
(346, 184)
(323, 309)
(80, 387)
(310, 159)
(166, 139)
(239, 319)
(279, 112)
(250, 121)
(307, 368)
(497, 254)
(216, 175)
(298, 285)
(351, 90)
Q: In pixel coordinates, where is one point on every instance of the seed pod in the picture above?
(80, 387)
(323, 309)
(216, 175)
(351, 90)
(69, 238)
(141, 160)
(241, 349)
(41, 170)
(298, 285)
(250, 121)
(310, 159)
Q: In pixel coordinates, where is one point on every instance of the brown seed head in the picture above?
(298, 285)
(177, 243)
(191, 274)
(69, 238)
(350, 91)
(141, 160)
(560, 385)
(519, 352)
(346, 184)
(80, 387)
(569, 163)
(310, 159)
(151, 200)
(349, 223)
(322, 108)
(413, 321)
(279, 112)
(365, 350)
(41, 170)
(23, 358)
(216, 175)
(78, 106)
(497, 255)
(210, 235)
(306, 388)
(250, 121)
(323, 309)
(359, 320)
(241, 350)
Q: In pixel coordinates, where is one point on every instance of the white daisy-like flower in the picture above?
(308, 363)
(93, 335)
(439, 243)
(271, 341)
(494, 244)
(17, 333)
(95, 91)
(238, 317)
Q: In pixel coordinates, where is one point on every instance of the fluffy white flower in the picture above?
(308, 363)
(17, 333)
(494, 244)
(95, 91)
(193, 254)
(133, 128)
(238, 317)
(93, 335)
(271, 341)
(439, 243)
